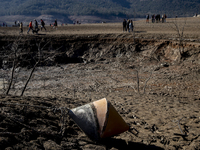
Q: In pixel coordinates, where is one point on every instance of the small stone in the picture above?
(51, 145)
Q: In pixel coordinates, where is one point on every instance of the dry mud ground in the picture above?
(94, 61)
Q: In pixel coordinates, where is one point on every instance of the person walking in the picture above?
(124, 25)
(55, 24)
(127, 25)
(162, 18)
(153, 18)
(165, 17)
(42, 25)
(36, 26)
(130, 26)
(30, 27)
(147, 18)
(21, 27)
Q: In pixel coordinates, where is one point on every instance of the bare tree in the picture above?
(38, 60)
(20, 54)
(145, 83)
(15, 50)
(179, 28)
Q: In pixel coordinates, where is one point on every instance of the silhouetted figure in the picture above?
(43, 24)
(30, 27)
(127, 25)
(21, 27)
(124, 25)
(147, 18)
(55, 24)
(165, 17)
(131, 26)
(157, 18)
(162, 18)
(36, 26)
(153, 18)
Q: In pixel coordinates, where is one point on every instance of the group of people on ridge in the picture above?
(128, 25)
(31, 26)
(156, 18)
(36, 26)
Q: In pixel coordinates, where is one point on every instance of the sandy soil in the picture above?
(190, 26)
(164, 110)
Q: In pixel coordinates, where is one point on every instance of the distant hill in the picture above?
(100, 8)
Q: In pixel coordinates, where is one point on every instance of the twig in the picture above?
(8, 133)
(146, 82)
(138, 82)
(29, 79)
(178, 123)
(133, 88)
(11, 80)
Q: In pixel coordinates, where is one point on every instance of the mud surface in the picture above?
(151, 80)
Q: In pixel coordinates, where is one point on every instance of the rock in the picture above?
(51, 145)
(157, 68)
(165, 64)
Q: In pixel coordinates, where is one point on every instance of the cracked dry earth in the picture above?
(164, 110)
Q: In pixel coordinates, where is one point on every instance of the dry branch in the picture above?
(33, 69)
(11, 80)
